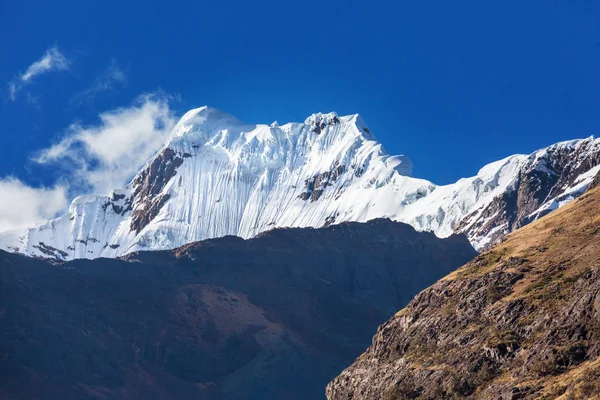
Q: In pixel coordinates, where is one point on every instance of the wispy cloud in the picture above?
(33, 100)
(52, 60)
(105, 156)
(92, 158)
(25, 206)
(111, 78)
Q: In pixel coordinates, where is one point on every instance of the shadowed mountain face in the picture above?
(274, 317)
(521, 321)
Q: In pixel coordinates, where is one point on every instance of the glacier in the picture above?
(217, 176)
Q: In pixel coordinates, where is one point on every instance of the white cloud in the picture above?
(52, 60)
(95, 158)
(105, 156)
(112, 77)
(24, 206)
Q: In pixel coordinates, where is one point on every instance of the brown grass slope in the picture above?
(519, 321)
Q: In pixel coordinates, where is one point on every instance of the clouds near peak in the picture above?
(24, 206)
(94, 158)
(105, 155)
(52, 60)
(111, 78)
(91, 157)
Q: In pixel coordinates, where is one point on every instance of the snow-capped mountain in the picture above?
(217, 176)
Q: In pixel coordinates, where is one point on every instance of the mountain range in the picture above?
(217, 176)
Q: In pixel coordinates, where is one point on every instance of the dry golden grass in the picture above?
(581, 382)
(557, 248)
(552, 253)
(509, 321)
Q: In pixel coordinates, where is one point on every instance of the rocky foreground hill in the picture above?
(274, 317)
(521, 321)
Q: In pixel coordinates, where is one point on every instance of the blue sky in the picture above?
(453, 85)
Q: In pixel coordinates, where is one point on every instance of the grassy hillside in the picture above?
(519, 321)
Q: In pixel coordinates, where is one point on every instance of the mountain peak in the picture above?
(319, 121)
(200, 123)
(208, 114)
(328, 118)
(210, 126)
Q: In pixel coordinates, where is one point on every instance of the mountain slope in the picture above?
(521, 321)
(217, 176)
(272, 317)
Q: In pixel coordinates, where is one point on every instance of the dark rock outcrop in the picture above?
(320, 122)
(315, 185)
(274, 317)
(545, 176)
(596, 182)
(50, 251)
(521, 321)
(119, 203)
(148, 184)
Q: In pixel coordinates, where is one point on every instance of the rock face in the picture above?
(521, 321)
(148, 186)
(216, 176)
(274, 317)
(546, 180)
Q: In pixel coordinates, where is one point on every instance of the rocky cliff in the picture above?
(546, 180)
(274, 317)
(521, 321)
